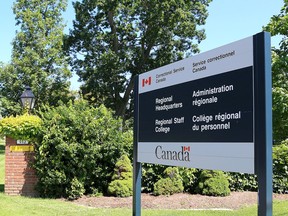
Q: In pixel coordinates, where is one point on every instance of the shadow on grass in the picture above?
(1, 188)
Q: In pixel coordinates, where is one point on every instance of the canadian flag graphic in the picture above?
(186, 148)
(146, 81)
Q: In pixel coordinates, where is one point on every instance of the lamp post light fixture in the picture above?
(27, 98)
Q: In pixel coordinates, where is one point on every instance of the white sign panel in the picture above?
(220, 60)
(198, 112)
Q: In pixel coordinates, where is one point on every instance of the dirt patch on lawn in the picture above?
(178, 201)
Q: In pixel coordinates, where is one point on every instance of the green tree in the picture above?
(112, 41)
(10, 90)
(278, 25)
(38, 59)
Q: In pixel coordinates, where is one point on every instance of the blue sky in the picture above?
(228, 21)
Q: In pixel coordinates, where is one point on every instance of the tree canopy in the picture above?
(38, 59)
(278, 25)
(113, 41)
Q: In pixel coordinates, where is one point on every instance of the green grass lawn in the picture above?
(23, 206)
(16, 205)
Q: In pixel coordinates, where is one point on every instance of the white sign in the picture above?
(199, 112)
(220, 60)
(22, 142)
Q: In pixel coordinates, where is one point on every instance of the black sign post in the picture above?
(136, 165)
(263, 121)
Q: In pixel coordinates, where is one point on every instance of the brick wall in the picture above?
(20, 178)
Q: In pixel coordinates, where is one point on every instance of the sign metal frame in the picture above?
(262, 123)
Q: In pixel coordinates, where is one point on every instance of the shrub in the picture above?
(123, 169)
(189, 178)
(248, 182)
(24, 127)
(76, 189)
(213, 183)
(78, 142)
(280, 168)
(242, 182)
(151, 173)
(170, 184)
(121, 186)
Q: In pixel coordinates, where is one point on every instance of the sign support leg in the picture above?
(263, 122)
(137, 167)
(137, 189)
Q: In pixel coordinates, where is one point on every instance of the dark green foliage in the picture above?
(213, 183)
(78, 149)
(121, 186)
(170, 184)
(280, 168)
(189, 178)
(119, 40)
(10, 91)
(278, 25)
(242, 182)
(151, 173)
(76, 189)
(248, 182)
(167, 186)
(280, 113)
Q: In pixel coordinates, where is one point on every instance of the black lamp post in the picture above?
(27, 98)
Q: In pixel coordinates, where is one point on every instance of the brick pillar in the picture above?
(20, 178)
